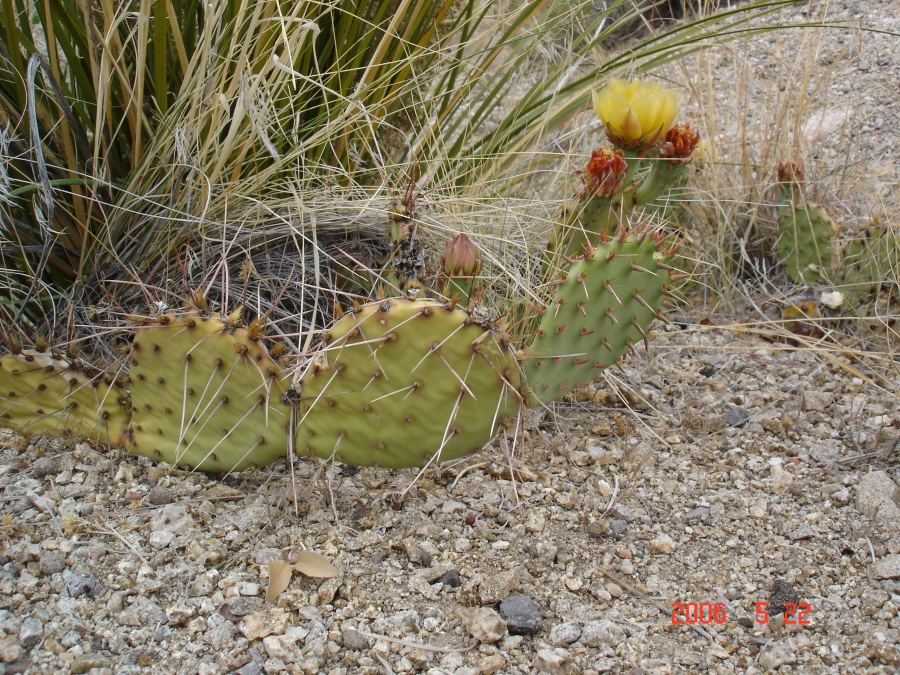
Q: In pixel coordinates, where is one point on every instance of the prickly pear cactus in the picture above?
(869, 262)
(604, 305)
(400, 381)
(805, 242)
(207, 395)
(42, 391)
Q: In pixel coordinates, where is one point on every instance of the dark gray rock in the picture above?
(82, 584)
(354, 640)
(521, 614)
(736, 417)
(450, 579)
(617, 526)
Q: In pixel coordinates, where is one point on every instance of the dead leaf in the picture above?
(802, 310)
(280, 573)
(315, 565)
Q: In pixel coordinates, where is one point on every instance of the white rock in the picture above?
(888, 515)
(832, 299)
(250, 589)
(551, 660)
(774, 655)
(159, 540)
(759, 510)
(873, 489)
(483, 624)
(261, 624)
(565, 633)
(887, 567)
(172, 517)
(662, 545)
(534, 522)
(781, 478)
(282, 647)
(602, 632)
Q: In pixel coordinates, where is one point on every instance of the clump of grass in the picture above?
(174, 132)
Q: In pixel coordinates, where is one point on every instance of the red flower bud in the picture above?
(461, 257)
(790, 172)
(605, 171)
(680, 142)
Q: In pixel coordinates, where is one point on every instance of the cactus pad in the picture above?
(40, 391)
(605, 303)
(805, 241)
(870, 262)
(206, 395)
(400, 381)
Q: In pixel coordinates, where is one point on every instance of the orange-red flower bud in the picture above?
(605, 171)
(461, 258)
(680, 142)
(790, 172)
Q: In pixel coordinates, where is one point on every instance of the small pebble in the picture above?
(521, 615)
(52, 562)
(45, 466)
(159, 495)
(565, 633)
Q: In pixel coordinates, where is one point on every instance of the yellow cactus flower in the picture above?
(636, 114)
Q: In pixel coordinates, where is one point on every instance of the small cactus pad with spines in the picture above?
(603, 306)
(805, 241)
(870, 262)
(206, 396)
(42, 391)
(400, 381)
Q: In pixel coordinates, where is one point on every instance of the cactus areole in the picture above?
(401, 382)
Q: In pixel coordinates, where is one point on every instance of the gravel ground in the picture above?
(737, 470)
(747, 471)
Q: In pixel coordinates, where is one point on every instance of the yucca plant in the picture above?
(138, 135)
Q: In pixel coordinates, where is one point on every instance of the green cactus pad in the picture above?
(400, 381)
(869, 262)
(605, 304)
(45, 392)
(805, 241)
(207, 383)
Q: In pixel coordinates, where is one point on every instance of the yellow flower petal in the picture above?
(636, 113)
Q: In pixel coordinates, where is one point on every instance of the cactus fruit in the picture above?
(604, 304)
(43, 391)
(400, 382)
(207, 395)
(459, 265)
(805, 241)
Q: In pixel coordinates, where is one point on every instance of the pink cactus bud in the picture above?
(461, 257)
